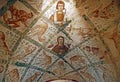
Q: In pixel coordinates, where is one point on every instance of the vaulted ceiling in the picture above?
(39, 44)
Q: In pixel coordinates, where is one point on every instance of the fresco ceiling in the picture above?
(67, 40)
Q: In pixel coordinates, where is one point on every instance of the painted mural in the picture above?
(59, 40)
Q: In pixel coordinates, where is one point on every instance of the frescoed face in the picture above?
(60, 7)
(60, 40)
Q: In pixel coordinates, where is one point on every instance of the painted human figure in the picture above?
(1, 68)
(60, 48)
(60, 68)
(116, 38)
(39, 30)
(3, 46)
(17, 16)
(13, 75)
(59, 17)
(32, 77)
(104, 12)
(3, 53)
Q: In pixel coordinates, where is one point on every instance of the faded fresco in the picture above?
(59, 41)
